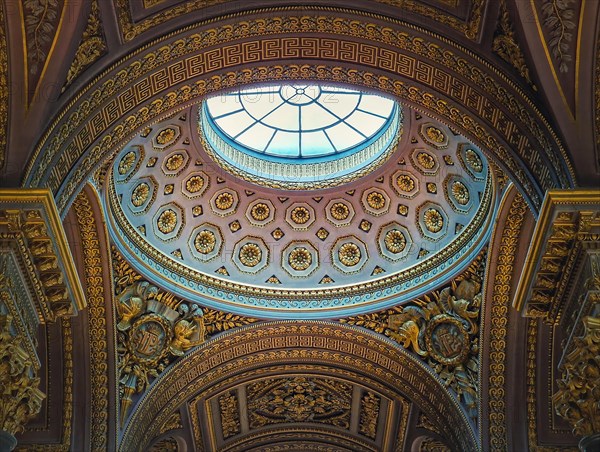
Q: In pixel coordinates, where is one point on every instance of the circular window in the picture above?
(300, 136)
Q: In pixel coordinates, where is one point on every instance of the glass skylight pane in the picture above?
(366, 123)
(285, 118)
(377, 104)
(284, 144)
(342, 105)
(328, 119)
(221, 105)
(314, 117)
(235, 123)
(343, 136)
(256, 137)
(261, 107)
(315, 144)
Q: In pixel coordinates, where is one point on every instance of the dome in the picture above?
(223, 238)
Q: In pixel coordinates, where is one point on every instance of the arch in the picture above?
(229, 358)
(429, 73)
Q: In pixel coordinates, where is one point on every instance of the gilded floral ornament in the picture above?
(460, 192)
(349, 254)
(250, 254)
(165, 136)
(126, 163)
(140, 194)
(426, 160)
(579, 388)
(194, 184)
(20, 398)
(299, 399)
(205, 241)
(175, 161)
(339, 211)
(395, 242)
(376, 200)
(224, 201)
(473, 160)
(435, 134)
(300, 259)
(260, 211)
(405, 183)
(167, 221)
(300, 215)
(434, 222)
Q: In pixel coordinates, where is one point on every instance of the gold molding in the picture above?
(326, 343)
(130, 30)
(519, 123)
(97, 323)
(569, 222)
(4, 91)
(500, 304)
(32, 218)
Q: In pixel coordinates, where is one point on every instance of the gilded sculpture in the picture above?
(443, 329)
(155, 328)
(579, 388)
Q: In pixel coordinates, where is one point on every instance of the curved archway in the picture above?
(332, 356)
(430, 74)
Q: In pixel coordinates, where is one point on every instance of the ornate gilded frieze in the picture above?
(470, 27)
(299, 399)
(442, 328)
(91, 47)
(520, 124)
(20, 398)
(32, 238)
(283, 350)
(4, 94)
(568, 230)
(155, 328)
(579, 386)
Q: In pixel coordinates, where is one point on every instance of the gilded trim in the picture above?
(470, 28)
(4, 93)
(97, 331)
(500, 305)
(535, 134)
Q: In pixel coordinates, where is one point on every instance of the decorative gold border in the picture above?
(4, 92)
(130, 30)
(321, 342)
(500, 305)
(97, 328)
(44, 197)
(525, 114)
(553, 199)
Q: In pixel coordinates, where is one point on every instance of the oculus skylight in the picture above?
(300, 121)
(300, 136)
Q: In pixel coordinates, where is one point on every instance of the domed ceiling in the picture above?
(195, 219)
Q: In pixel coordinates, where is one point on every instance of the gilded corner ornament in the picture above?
(579, 388)
(442, 328)
(154, 329)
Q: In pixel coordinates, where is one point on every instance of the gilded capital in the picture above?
(579, 388)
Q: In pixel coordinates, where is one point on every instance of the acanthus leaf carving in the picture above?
(154, 329)
(442, 328)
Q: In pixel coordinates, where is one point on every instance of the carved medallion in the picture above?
(149, 337)
(447, 340)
